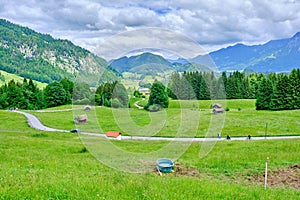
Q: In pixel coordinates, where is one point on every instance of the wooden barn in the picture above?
(81, 119)
(217, 105)
(217, 108)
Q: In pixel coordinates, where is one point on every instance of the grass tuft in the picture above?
(39, 135)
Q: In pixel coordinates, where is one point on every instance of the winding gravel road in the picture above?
(136, 104)
(34, 122)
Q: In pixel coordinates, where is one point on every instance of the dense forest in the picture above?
(205, 85)
(272, 92)
(279, 92)
(28, 96)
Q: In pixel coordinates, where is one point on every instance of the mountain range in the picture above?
(152, 65)
(30, 54)
(274, 56)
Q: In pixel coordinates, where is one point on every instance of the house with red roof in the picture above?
(114, 135)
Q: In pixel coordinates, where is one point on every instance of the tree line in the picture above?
(272, 92)
(279, 91)
(28, 96)
(112, 94)
(275, 91)
(205, 85)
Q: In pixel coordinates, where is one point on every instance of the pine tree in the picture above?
(294, 79)
(218, 91)
(120, 94)
(98, 95)
(264, 94)
(253, 87)
(204, 92)
(174, 86)
(282, 96)
(186, 89)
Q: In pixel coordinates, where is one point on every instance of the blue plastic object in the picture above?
(165, 165)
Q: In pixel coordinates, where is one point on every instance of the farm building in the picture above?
(87, 108)
(217, 108)
(217, 105)
(81, 119)
(144, 90)
(112, 134)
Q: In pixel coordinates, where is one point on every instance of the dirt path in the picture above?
(136, 104)
(36, 124)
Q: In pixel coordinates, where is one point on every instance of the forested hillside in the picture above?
(30, 54)
(148, 64)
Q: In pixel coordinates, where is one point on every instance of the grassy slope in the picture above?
(37, 165)
(9, 76)
(237, 122)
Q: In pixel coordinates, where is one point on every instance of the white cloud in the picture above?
(161, 40)
(213, 24)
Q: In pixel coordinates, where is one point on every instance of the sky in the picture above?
(213, 24)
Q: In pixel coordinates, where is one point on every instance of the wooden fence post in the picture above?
(266, 173)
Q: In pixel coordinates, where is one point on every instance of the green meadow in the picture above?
(50, 165)
(193, 118)
(43, 165)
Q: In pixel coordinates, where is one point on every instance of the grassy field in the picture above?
(183, 118)
(40, 165)
(9, 76)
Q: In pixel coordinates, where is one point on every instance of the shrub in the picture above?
(155, 108)
(137, 94)
(116, 103)
(39, 135)
(84, 101)
(227, 109)
(83, 150)
(107, 103)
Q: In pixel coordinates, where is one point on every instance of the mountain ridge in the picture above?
(273, 56)
(131, 63)
(153, 65)
(281, 55)
(40, 57)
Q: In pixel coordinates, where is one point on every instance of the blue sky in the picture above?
(213, 24)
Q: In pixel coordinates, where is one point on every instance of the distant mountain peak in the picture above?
(140, 62)
(297, 35)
